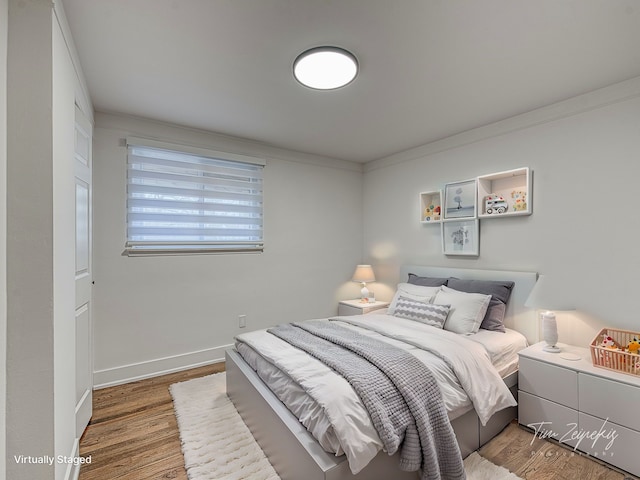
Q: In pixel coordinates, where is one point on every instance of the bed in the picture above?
(320, 451)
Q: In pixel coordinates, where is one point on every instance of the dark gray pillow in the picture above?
(426, 281)
(500, 292)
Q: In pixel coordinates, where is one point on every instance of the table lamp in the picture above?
(544, 297)
(364, 274)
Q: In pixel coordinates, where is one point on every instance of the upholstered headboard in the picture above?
(517, 317)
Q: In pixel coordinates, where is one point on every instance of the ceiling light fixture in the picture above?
(325, 68)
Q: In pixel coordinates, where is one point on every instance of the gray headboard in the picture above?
(517, 317)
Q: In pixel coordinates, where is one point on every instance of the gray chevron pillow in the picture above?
(434, 315)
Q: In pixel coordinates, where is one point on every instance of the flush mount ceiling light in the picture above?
(325, 68)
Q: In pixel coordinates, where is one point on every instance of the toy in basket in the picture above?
(617, 350)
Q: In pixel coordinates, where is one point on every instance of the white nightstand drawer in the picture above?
(604, 398)
(356, 307)
(547, 419)
(554, 383)
(622, 442)
(345, 310)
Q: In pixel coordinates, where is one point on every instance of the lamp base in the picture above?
(364, 293)
(570, 356)
(550, 332)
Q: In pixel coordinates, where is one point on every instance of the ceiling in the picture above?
(428, 68)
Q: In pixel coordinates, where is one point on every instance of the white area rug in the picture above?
(217, 445)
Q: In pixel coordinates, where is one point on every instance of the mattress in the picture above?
(327, 405)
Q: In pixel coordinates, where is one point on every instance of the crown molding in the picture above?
(130, 125)
(602, 97)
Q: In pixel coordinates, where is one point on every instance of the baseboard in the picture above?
(160, 366)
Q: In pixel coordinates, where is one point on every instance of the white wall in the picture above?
(584, 233)
(30, 369)
(162, 313)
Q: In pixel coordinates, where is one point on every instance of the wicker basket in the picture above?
(616, 360)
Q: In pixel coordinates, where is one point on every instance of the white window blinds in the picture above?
(193, 201)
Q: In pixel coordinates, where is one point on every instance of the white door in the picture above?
(84, 351)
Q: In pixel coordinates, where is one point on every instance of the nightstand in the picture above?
(590, 409)
(356, 307)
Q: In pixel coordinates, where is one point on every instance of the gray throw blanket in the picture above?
(399, 392)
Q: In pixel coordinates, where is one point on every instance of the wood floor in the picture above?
(517, 450)
(133, 435)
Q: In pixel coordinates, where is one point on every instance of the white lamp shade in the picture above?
(547, 296)
(364, 274)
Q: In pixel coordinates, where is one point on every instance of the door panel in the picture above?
(84, 350)
(83, 371)
(83, 279)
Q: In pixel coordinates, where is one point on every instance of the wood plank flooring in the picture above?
(133, 435)
(529, 457)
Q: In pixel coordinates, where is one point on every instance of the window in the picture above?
(183, 200)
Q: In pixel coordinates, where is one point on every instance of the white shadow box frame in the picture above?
(461, 237)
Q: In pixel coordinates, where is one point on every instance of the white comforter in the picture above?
(461, 366)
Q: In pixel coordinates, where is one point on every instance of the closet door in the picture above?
(84, 350)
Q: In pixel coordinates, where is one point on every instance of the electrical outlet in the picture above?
(242, 321)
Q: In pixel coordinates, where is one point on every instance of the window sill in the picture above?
(160, 251)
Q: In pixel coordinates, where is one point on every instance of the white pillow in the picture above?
(467, 309)
(414, 292)
(428, 313)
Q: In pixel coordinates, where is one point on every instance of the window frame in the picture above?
(134, 248)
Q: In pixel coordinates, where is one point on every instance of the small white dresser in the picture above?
(591, 409)
(356, 307)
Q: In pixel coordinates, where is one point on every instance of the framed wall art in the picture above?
(460, 200)
(461, 237)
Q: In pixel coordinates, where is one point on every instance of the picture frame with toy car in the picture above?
(505, 194)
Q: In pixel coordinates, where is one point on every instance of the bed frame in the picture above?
(294, 452)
